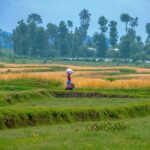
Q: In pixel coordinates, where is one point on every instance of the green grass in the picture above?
(111, 79)
(141, 93)
(8, 97)
(133, 134)
(27, 84)
(26, 102)
(19, 117)
(2, 66)
(29, 90)
(76, 102)
(19, 91)
(83, 119)
(127, 71)
(121, 71)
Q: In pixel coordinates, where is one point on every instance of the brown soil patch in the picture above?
(70, 94)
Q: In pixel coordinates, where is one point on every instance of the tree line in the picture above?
(64, 40)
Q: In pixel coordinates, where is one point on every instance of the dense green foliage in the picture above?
(32, 40)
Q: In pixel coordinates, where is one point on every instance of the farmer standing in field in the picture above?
(69, 86)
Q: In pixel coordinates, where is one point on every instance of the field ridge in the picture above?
(11, 118)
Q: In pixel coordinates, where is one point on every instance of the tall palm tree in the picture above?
(102, 21)
(70, 24)
(134, 22)
(34, 18)
(126, 19)
(85, 19)
(148, 32)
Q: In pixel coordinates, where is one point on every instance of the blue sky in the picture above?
(53, 11)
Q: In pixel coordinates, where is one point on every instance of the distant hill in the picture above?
(6, 39)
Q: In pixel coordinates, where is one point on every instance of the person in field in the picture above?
(69, 85)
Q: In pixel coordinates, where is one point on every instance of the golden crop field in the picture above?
(83, 77)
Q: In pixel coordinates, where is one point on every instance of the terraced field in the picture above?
(103, 112)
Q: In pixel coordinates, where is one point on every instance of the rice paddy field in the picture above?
(109, 108)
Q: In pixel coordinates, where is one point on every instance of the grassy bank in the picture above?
(19, 117)
(11, 98)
